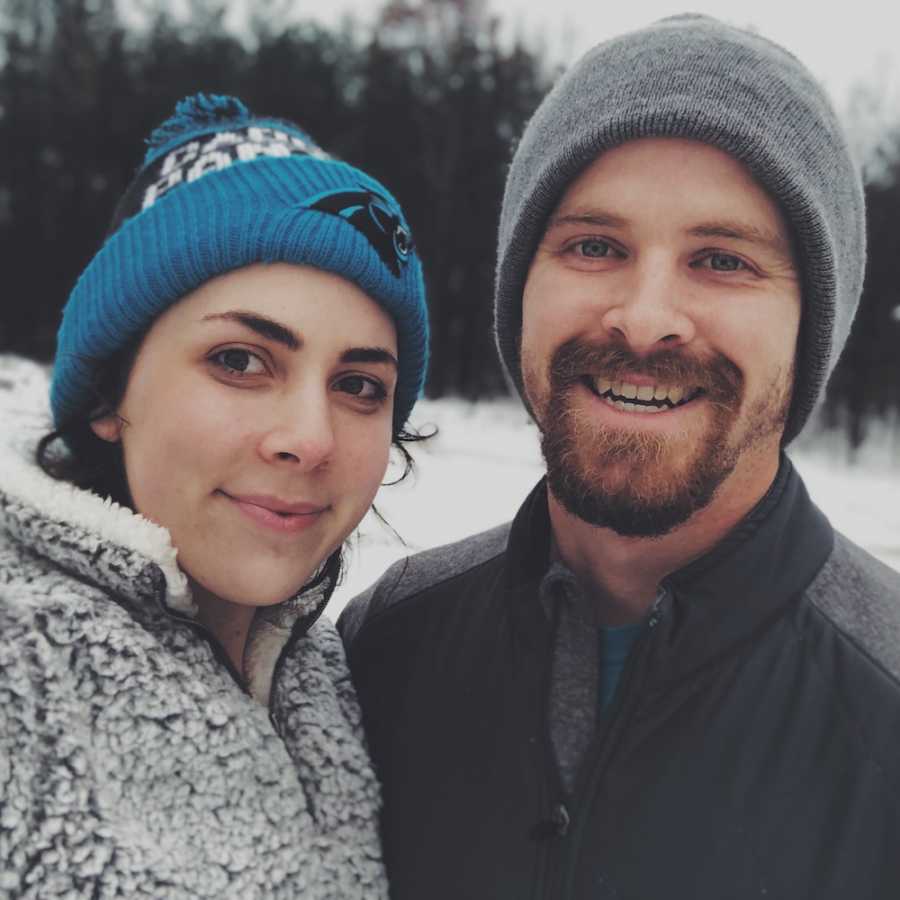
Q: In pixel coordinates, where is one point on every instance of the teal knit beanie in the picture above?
(692, 76)
(220, 188)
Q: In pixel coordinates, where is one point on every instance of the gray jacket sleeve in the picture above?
(369, 601)
(417, 573)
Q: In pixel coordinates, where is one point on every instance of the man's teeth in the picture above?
(634, 407)
(655, 398)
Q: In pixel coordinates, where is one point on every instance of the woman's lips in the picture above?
(277, 514)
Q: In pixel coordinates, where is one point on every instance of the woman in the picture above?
(232, 367)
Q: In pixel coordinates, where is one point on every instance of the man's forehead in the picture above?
(691, 185)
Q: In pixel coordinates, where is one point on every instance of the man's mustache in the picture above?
(716, 375)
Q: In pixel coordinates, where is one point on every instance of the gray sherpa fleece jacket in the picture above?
(131, 762)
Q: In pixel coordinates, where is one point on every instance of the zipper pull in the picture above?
(557, 826)
(656, 609)
(560, 819)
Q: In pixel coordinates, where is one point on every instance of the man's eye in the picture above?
(593, 249)
(362, 387)
(723, 262)
(236, 361)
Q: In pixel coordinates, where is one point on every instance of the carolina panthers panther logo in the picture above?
(370, 214)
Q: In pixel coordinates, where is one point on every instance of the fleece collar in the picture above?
(108, 545)
(104, 543)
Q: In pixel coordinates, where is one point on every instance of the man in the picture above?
(668, 677)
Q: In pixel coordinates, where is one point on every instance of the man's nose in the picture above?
(301, 433)
(648, 312)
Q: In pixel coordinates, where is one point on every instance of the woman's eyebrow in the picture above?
(263, 326)
(369, 355)
(269, 328)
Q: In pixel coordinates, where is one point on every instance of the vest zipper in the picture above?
(555, 826)
(623, 705)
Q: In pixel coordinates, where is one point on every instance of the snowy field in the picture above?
(485, 459)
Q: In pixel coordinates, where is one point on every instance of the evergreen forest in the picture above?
(429, 96)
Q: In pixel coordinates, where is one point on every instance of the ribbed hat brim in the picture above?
(248, 213)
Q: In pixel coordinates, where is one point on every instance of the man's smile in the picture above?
(643, 398)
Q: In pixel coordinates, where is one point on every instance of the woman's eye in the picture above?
(362, 387)
(594, 249)
(723, 262)
(236, 361)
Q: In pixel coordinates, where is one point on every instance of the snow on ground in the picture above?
(479, 467)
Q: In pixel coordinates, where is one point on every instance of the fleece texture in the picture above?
(132, 764)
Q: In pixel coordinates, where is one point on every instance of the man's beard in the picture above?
(632, 480)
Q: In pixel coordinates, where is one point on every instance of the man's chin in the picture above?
(641, 489)
(629, 509)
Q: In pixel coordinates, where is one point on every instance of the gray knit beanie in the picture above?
(692, 76)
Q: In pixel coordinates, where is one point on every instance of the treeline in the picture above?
(429, 99)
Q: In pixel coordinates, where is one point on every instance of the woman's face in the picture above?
(256, 425)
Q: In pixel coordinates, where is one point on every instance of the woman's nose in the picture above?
(302, 434)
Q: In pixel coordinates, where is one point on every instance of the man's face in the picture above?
(660, 321)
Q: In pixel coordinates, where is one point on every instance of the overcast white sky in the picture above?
(842, 42)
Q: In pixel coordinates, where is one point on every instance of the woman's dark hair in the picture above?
(86, 460)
